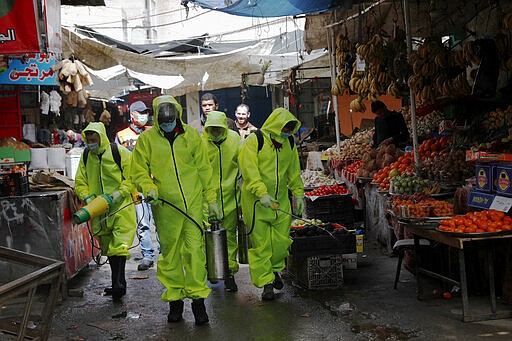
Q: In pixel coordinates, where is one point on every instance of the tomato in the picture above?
(447, 295)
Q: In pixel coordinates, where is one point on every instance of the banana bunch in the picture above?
(373, 81)
(469, 53)
(343, 49)
(73, 77)
(432, 188)
(430, 66)
(357, 105)
(507, 20)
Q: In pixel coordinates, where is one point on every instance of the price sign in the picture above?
(501, 204)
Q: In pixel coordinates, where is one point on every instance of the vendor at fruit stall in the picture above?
(390, 126)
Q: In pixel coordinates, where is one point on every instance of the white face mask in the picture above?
(142, 119)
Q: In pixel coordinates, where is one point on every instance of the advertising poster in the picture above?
(18, 27)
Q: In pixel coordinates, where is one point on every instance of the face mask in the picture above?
(285, 135)
(216, 139)
(93, 147)
(142, 119)
(169, 126)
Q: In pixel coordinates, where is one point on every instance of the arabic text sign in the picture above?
(18, 27)
(36, 72)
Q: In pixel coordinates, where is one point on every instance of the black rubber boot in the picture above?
(230, 284)
(175, 311)
(268, 293)
(278, 282)
(199, 311)
(117, 265)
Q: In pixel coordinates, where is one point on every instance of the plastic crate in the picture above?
(317, 272)
(331, 208)
(13, 184)
(325, 244)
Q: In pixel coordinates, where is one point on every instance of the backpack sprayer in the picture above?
(216, 243)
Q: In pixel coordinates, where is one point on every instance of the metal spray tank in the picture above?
(216, 243)
(243, 241)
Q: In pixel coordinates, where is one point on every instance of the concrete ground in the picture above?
(366, 307)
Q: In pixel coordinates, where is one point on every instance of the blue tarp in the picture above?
(272, 8)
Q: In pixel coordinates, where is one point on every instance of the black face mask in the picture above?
(166, 113)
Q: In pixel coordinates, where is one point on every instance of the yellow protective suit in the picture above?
(176, 166)
(223, 156)
(102, 175)
(273, 170)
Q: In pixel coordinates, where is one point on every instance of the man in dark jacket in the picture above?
(390, 126)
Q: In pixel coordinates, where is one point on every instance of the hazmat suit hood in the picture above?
(216, 119)
(277, 120)
(158, 101)
(98, 127)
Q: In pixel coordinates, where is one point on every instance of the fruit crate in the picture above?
(13, 184)
(324, 244)
(316, 272)
(332, 208)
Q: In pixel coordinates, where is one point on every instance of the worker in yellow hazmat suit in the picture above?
(98, 174)
(223, 145)
(170, 166)
(268, 173)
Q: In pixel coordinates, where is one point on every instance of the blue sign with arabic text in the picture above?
(36, 71)
(480, 200)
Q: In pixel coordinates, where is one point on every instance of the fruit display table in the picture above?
(488, 243)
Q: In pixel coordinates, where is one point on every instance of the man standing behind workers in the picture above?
(170, 167)
(268, 173)
(243, 125)
(128, 138)
(209, 103)
(99, 173)
(222, 146)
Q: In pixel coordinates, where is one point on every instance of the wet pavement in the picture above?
(365, 308)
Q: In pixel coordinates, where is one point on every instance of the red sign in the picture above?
(146, 97)
(18, 27)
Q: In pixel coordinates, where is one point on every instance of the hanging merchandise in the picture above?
(73, 77)
(105, 116)
(55, 101)
(45, 103)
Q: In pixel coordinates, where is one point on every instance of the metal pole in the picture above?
(407, 17)
(331, 48)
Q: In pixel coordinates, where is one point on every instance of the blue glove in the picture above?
(299, 206)
(116, 196)
(152, 197)
(269, 202)
(213, 211)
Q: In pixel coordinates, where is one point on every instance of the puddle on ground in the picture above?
(375, 332)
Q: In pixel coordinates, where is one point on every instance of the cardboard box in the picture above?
(6, 154)
(484, 178)
(349, 261)
(503, 184)
(487, 156)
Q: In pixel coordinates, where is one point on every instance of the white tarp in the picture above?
(186, 72)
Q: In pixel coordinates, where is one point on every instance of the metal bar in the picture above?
(492, 289)
(26, 314)
(417, 265)
(414, 127)
(463, 284)
(439, 276)
(332, 62)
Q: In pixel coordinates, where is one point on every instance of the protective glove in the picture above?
(299, 206)
(89, 198)
(152, 197)
(269, 202)
(116, 196)
(213, 211)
